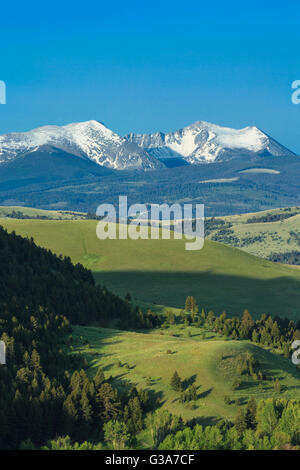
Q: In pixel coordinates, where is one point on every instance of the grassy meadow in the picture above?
(162, 273)
(205, 359)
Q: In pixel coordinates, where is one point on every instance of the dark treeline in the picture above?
(40, 295)
(61, 215)
(276, 332)
(271, 217)
(291, 257)
(20, 215)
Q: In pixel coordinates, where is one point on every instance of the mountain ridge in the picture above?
(200, 142)
(204, 142)
(89, 139)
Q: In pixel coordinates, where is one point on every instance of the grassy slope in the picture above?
(196, 360)
(218, 276)
(277, 236)
(31, 212)
(162, 272)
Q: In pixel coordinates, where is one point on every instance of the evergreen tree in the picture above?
(251, 413)
(116, 432)
(175, 382)
(99, 378)
(240, 422)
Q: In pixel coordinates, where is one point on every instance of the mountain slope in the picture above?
(89, 139)
(235, 186)
(47, 164)
(203, 142)
(161, 272)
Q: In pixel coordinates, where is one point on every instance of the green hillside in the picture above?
(29, 212)
(162, 272)
(260, 233)
(149, 361)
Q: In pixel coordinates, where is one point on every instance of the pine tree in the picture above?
(251, 413)
(175, 382)
(86, 416)
(116, 432)
(255, 337)
(35, 360)
(188, 303)
(240, 421)
(136, 415)
(99, 378)
(108, 402)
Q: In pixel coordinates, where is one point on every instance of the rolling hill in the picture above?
(275, 231)
(161, 272)
(149, 361)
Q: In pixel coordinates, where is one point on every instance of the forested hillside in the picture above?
(40, 295)
(55, 392)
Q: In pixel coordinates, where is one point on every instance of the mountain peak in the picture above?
(88, 139)
(204, 142)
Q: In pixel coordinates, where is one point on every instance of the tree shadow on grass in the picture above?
(205, 393)
(203, 421)
(189, 381)
(107, 366)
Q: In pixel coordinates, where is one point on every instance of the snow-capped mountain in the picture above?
(89, 139)
(203, 142)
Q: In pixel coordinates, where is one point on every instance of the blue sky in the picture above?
(146, 66)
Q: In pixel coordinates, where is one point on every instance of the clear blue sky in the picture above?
(145, 65)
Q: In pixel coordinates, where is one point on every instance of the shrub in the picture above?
(227, 400)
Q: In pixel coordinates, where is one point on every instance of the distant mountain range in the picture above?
(78, 167)
(92, 141)
(203, 142)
